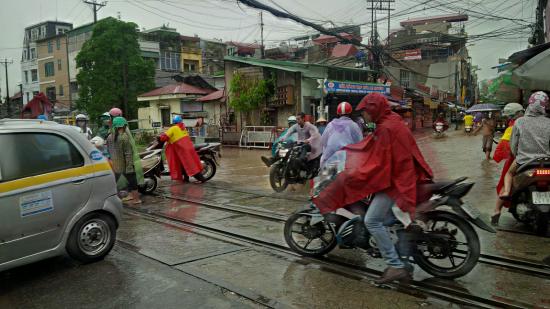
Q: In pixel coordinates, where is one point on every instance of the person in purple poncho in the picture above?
(340, 132)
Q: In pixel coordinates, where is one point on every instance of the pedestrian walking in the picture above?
(487, 129)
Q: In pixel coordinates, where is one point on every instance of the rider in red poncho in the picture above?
(387, 164)
(180, 153)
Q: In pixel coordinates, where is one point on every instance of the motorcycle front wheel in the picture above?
(306, 239)
(451, 248)
(276, 178)
(149, 186)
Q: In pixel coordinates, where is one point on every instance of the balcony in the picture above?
(191, 50)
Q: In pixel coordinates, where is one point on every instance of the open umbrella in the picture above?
(485, 107)
(512, 108)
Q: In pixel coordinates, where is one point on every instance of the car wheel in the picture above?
(92, 238)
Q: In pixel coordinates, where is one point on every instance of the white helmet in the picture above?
(81, 117)
(97, 141)
(292, 119)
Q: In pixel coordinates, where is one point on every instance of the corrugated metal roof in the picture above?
(180, 88)
(214, 96)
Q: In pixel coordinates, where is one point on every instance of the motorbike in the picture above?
(439, 129)
(468, 129)
(290, 167)
(153, 167)
(531, 195)
(208, 154)
(442, 240)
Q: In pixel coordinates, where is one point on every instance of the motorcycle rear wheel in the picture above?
(276, 178)
(471, 252)
(292, 226)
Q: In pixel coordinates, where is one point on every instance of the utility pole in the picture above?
(378, 5)
(96, 6)
(262, 34)
(5, 62)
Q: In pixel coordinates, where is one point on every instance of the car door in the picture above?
(43, 182)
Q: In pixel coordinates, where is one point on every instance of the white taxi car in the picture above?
(57, 195)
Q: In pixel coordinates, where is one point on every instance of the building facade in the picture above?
(29, 57)
(53, 70)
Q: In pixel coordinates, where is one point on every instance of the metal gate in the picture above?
(257, 137)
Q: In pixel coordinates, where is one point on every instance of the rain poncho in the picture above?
(290, 138)
(386, 161)
(531, 134)
(340, 132)
(310, 133)
(180, 152)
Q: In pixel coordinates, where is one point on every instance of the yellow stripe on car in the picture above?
(53, 176)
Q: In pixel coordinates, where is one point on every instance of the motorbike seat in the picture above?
(439, 186)
(200, 146)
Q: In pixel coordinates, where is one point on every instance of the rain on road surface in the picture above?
(159, 263)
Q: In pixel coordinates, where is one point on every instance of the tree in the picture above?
(248, 94)
(112, 71)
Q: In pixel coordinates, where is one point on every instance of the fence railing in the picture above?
(257, 137)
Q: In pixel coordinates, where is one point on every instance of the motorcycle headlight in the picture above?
(283, 152)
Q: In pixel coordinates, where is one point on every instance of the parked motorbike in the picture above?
(441, 240)
(531, 195)
(290, 166)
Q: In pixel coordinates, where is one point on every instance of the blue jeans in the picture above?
(379, 215)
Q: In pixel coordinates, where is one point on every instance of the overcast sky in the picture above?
(224, 19)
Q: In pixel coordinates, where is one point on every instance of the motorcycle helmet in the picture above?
(81, 117)
(292, 120)
(344, 108)
(97, 141)
(115, 112)
(119, 122)
(177, 119)
(105, 115)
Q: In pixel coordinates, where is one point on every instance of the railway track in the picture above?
(529, 267)
(438, 289)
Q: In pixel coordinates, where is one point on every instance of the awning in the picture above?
(524, 55)
(534, 74)
(149, 54)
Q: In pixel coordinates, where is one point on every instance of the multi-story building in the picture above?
(53, 70)
(213, 52)
(191, 54)
(76, 39)
(29, 57)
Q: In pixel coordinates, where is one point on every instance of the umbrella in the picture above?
(512, 108)
(485, 107)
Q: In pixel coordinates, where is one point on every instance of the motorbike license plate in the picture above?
(541, 198)
(471, 210)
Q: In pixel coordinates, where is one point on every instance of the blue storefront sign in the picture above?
(355, 88)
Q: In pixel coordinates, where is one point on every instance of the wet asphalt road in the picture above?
(160, 264)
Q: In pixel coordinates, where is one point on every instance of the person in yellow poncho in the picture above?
(183, 160)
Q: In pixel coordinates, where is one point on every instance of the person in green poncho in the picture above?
(123, 156)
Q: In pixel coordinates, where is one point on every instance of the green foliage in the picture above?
(112, 71)
(248, 94)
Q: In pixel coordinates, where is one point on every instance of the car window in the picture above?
(30, 154)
